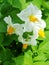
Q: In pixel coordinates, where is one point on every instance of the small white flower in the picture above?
(31, 40)
(13, 28)
(39, 28)
(39, 31)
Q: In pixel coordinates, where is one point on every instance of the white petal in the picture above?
(40, 24)
(25, 13)
(8, 20)
(36, 12)
(33, 42)
(28, 26)
(21, 39)
(35, 29)
(18, 29)
(30, 10)
(43, 24)
(35, 36)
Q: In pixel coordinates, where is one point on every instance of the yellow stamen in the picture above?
(25, 46)
(33, 18)
(41, 33)
(10, 30)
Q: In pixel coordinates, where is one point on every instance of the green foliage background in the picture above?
(11, 52)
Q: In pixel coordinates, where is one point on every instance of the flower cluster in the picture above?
(31, 29)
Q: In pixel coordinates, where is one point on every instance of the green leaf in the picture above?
(45, 44)
(29, 0)
(10, 62)
(1, 38)
(47, 22)
(0, 15)
(41, 63)
(5, 54)
(9, 39)
(24, 60)
(45, 47)
(38, 3)
(28, 59)
(6, 8)
(17, 3)
(40, 57)
(15, 18)
(3, 27)
(19, 60)
(14, 37)
(46, 4)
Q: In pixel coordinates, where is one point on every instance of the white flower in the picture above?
(32, 18)
(13, 28)
(29, 40)
(31, 13)
(39, 28)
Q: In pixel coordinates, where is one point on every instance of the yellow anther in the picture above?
(41, 33)
(10, 30)
(33, 19)
(25, 46)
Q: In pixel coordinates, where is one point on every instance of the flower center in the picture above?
(10, 30)
(33, 18)
(25, 46)
(41, 33)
